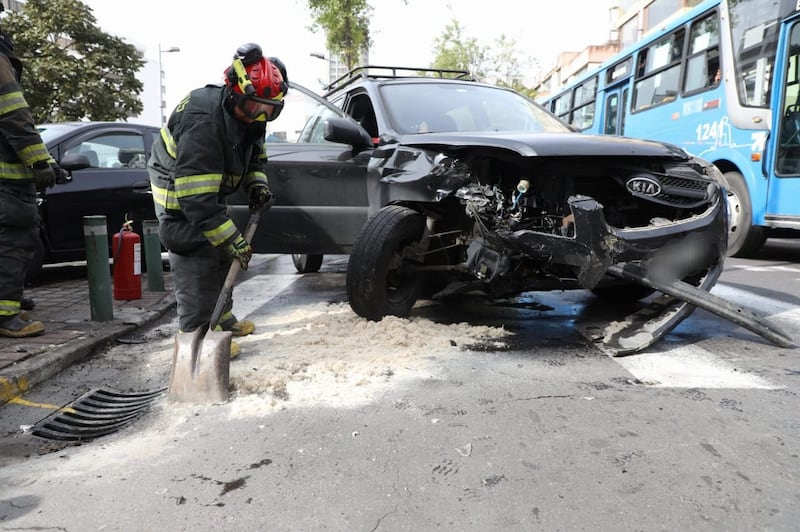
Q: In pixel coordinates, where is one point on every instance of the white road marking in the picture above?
(770, 269)
(252, 294)
(692, 366)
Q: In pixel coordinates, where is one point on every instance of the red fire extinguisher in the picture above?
(127, 263)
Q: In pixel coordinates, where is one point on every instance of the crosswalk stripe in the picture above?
(692, 366)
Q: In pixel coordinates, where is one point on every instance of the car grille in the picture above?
(682, 191)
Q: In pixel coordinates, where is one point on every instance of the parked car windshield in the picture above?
(431, 107)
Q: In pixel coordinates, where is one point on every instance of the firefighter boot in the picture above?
(236, 327)
(235, 349)
(16, 327)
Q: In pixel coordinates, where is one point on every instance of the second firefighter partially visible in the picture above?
(212, 144)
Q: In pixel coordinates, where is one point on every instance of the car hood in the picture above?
(547, 144)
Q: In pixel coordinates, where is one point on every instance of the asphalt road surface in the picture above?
(474, 416)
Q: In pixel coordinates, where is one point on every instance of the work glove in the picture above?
(44, 175)
(240, 250)
(260, 196)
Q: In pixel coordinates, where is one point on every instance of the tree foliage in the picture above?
(502, 65)
(453, 50)
(73, 70)
(346, 27)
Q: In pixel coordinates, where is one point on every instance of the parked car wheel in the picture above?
(378, 283)
(307, 263)
(744, 238)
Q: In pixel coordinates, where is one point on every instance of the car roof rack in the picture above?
(389, 72)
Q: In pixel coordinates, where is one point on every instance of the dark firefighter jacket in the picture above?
(203, 154)
(20, 143)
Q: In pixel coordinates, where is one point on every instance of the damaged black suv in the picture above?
(436, 184)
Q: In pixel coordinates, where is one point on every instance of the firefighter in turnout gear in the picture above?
(213, 144)
(25, 167)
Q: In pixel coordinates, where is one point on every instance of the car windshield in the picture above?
(431, 107)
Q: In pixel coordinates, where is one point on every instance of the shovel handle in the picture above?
(227, 287)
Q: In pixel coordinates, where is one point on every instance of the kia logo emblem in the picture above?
(643, 185)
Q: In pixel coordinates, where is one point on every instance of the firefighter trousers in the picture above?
(198, 277)
(19, 234)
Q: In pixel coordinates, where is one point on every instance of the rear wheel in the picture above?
(307, 263)
(744, 238)
(379, 280)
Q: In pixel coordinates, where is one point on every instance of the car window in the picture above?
(112, 150)
(436, 107)
(302, 119)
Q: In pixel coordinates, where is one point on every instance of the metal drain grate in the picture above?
(96, 413)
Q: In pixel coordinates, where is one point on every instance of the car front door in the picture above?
(320, 186)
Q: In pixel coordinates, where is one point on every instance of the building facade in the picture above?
(629, 20)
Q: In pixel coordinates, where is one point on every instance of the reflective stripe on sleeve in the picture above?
(165, 197)
(11, 102)
(197, 184)
(169, 142)
(221, 234)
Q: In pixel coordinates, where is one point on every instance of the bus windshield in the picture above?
(754, 31)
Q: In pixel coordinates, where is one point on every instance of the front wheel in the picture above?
(379, 280)
(744, 238)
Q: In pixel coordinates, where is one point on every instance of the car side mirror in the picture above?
(347, 131)
(74, 161)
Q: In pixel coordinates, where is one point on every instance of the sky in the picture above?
(403, 33)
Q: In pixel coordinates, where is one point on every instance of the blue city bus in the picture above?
(721, 80)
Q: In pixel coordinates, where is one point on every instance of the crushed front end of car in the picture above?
(506, 214)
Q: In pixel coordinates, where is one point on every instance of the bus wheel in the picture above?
(744, 238)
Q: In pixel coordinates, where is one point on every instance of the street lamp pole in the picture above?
(319, 55)
(163, 104)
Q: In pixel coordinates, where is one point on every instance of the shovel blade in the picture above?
(201, 367)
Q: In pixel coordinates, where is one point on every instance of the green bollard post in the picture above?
(152, 256)
(95, 235)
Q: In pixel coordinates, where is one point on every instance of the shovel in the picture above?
(201, 360)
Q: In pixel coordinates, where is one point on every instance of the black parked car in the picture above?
(436, 185)
(109, 177)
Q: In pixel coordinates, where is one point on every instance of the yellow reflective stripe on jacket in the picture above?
(191, 185)
(257, 175)
(15, 171)
(34, 153)
(263, 154)
(223, 232)
(8, 307)
(165, 197)
(11, 102)
(169, 142)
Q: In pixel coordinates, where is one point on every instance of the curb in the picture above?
(23, 376)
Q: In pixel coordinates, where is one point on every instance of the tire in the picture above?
(307, 263)
(377, 286)
(744, 238)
